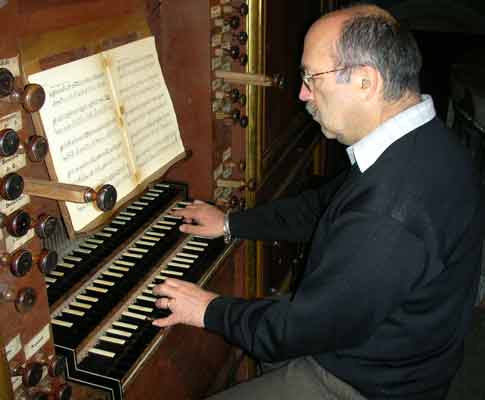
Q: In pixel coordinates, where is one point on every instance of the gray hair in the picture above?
(379, 42)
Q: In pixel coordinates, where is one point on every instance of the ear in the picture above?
(367, 82)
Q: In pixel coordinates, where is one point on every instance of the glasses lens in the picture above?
(305, 79)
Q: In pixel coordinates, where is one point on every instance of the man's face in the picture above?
(330, 102)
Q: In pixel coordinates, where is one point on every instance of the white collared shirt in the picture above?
(368, 149)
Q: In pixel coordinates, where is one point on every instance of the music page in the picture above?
(146, 108)
(83, 131)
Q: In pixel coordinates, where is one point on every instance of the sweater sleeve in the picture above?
(365, 266)
(293, 219)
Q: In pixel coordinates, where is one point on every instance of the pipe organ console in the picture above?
(76, 306)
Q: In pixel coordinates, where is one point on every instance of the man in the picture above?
(387, 292)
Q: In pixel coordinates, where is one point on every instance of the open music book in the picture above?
(108, 119)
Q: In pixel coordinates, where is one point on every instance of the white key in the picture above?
(82, 251)
(143, 243)
(56, 273)
(163, 227)
(65, 265)
(125, 325)
(73, 312)
(72, 258)
(174, 273)
(110, 229)
(86, 298)
(165, 222)
(180, 265)
(136, 208)
(123, 218)
(111, 273)
(148, 291)
(136, 307)
(153, 233)
(125, 263)
(89, 246)
(112, 340)
(151, 238)
(103, 282)
(188, 255)
(97, 289)
(156, 190)
(140, 203)
(115, 222)
(104, 234)
(183, 260)
(134, 315)
(138, 250)
(81, 305)
(49, 279)
(147, 298)
(194, 248)
(103, 353)
(122, 269)
(172, 217)
(60, 322)
(95, 241)
(119, 332)
(128, 214)
(196, 243)
(132, 255)
(184, 203)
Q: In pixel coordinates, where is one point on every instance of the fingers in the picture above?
(165, 303)
(168, 282)
(192, 229)
(165, 290)
(165, 322)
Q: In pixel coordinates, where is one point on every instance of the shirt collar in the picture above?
(367, 150)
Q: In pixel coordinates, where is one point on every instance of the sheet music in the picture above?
(83, 131)
(145, 103)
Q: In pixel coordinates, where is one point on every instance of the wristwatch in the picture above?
(227, 229)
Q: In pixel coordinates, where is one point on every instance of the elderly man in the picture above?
(387, 292)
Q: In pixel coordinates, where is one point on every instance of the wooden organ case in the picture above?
(234, 85)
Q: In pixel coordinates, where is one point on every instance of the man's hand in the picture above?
(209, 220)
(185, 300)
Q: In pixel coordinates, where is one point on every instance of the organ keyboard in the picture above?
(89, 297)
(100, 292)
(80, 261)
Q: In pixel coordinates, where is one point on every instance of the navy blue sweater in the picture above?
(392, 274)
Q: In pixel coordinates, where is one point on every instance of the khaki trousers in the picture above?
(299, 379)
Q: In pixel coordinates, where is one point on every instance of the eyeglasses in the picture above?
(307, 78)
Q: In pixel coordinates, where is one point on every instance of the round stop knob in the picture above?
(18, 223)
(25, 300)
(11, 186)
(32, 374)
(33, 97)
(7, 81)
(37, 148)
(106, 197)
(21, 262)
(47, 260)
(9, 142)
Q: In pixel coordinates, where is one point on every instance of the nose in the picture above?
(305, 94)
